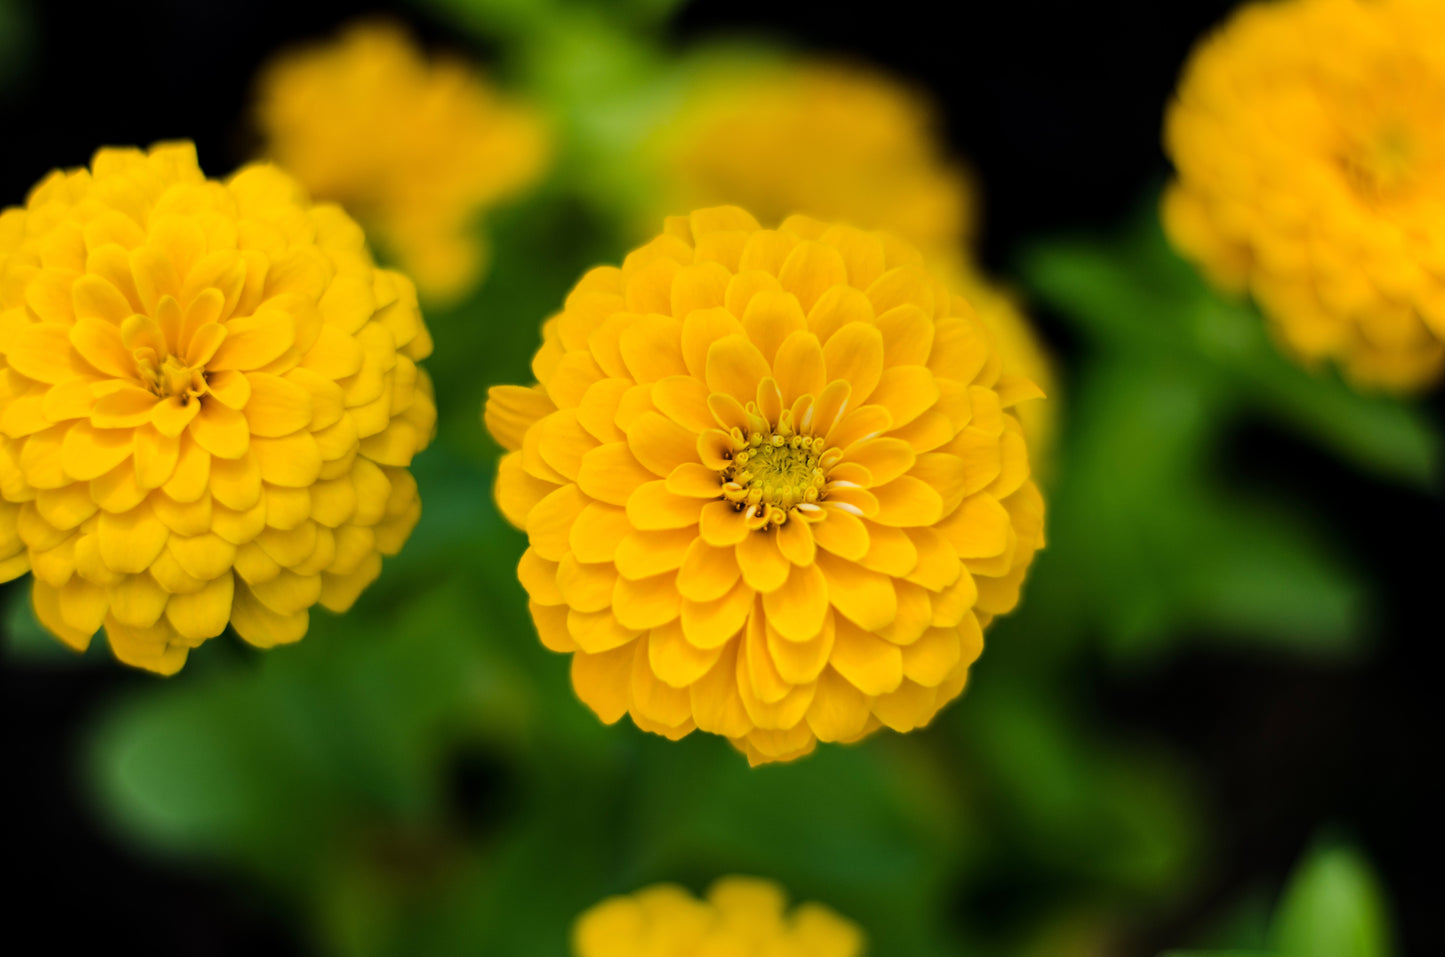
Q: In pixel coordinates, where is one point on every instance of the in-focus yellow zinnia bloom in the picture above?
(209, 398)
(414, 149)
(741, 917)
(1309, 139)
(772, 484)
(846, 144)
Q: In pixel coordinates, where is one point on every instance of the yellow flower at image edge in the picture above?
(415, 149)
(772, 484)
(209, 398)
(1309, 139)
(741, 916)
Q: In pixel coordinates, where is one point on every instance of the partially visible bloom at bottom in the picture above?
(741, 917)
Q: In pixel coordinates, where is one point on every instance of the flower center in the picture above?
(169, 376)
(1383, 164)
(774, 469)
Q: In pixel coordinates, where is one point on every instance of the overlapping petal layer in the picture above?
(741, 917)
(1309, 139)
(772, 482)
(209, 398)
(415, 149)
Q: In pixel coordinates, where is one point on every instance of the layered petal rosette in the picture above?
(772, 484)
(209, 398)
(740, 917)
(1309, 140)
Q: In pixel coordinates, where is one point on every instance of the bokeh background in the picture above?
(1212, 724)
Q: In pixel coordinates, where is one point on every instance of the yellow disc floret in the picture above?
(209, 398)
(1309, 139)
(772, 481)
(740, 917)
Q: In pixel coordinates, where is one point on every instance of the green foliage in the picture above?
(1332, 907)
(1154, 541)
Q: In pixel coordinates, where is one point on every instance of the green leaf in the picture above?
(1333, 907)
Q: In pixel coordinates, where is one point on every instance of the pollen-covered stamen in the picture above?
(774, 470)
(169, 376)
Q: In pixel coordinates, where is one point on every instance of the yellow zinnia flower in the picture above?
(414, 149)
(1309, 139)
(843, 143)
(209, 398)
(772, 484)
(833, 141)
(741, 917)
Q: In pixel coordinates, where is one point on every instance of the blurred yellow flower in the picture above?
(741, 917)
(843, 143)
(209, 398)
(829, 140)
(772, 483)
(1309, 139)
(416, 150)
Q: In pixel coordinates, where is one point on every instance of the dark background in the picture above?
(1057, 106)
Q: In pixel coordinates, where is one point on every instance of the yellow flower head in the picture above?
(772, 484)
(209, 398)
(832, 141)
(841, 143)
(414, 149)
(1309, 139)
(742, 917)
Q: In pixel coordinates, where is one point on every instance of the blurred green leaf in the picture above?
(1333, 907)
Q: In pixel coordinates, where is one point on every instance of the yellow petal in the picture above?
(772, 317)
(801, 662)
(908, 502)
(707, 572)
(653, 508)
(644, 554)
(837, 308)
(735, 367)
(604, 681)
(722, 524)
(763, 566)
(156, 456)
(221, 431)
(716, 705)
(810, 270)
(799, 367)
(933, 657)
(611, 473)
(869, 663)
(277, 406)
(841, 533)
(660, 444)
(651, 348)
(293, 461)
(130, 541)
(694, 480)
(839, 711)
(683, 399)
(864, 596)
(549, 523)
(585, 587)
(978, 528)
(654, 700)
(676, 660)
(907, 335)
(647, 603)
(798, 609)
(205, 613)
(907, 391)
(511, 410)
(855, 354)
(713, 623)
(597, 532)
(262, 627)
